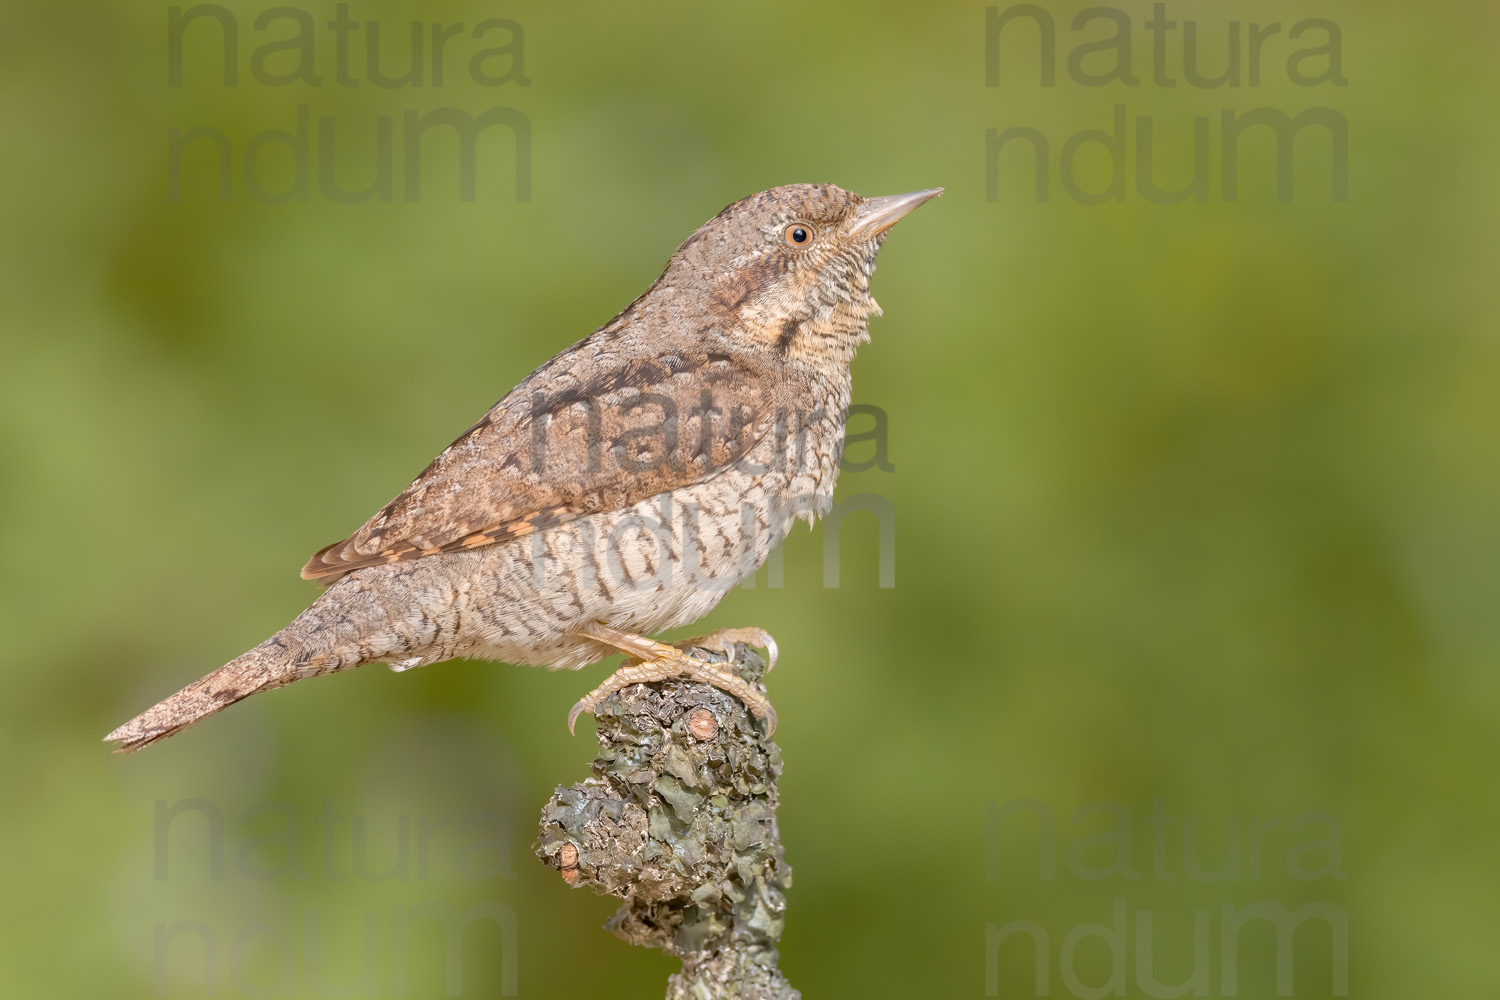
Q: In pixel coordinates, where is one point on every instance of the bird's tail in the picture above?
(272, 664)
(342, 629)
(348, 625)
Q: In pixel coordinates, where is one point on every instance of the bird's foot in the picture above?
(656, 661)
(723, 641)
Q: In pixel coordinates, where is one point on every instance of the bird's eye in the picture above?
(798, 234)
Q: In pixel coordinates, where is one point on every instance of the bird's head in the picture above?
(789, 268)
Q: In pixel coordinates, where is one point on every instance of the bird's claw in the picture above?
(680, 663)
(723, 640)
(579, 707)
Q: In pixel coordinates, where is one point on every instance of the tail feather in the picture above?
(270, 665)
(350, 624)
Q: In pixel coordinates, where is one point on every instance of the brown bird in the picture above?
(623, 488)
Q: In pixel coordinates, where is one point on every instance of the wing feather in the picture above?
(600, 427)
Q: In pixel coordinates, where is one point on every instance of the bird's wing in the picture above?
(593, 430)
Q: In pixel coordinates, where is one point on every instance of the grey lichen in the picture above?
(679, 821)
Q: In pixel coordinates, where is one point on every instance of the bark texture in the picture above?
(679, 821)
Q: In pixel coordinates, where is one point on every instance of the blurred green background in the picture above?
(1195, 504)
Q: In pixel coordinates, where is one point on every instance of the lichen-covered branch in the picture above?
(679, 821)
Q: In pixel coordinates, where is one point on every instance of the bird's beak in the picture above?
(876, 215)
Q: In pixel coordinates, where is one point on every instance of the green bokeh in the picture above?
(1194, 503)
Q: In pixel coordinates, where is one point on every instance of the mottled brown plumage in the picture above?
(623, 487)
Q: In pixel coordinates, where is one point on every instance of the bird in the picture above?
(620, 490)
